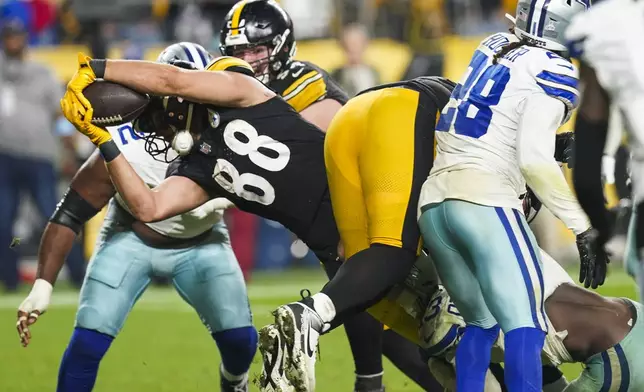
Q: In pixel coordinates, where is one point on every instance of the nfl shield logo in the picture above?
(205, 148)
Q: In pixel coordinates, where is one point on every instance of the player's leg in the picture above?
(117, 275)
(303, 321)
(366, 338)
(473, 352)
(501, 248)
(209, 278)
(395, 157)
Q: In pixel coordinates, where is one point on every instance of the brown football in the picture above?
(114, 104)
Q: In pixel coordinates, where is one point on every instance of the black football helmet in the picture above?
(254, 23)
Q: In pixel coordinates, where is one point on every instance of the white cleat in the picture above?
(274, 361)
(298, 325)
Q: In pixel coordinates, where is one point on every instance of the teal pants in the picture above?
(207, 276)
(488, 261)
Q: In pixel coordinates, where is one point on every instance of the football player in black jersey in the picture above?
(251, 147)
(261, 33)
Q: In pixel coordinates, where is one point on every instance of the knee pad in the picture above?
(237, 347)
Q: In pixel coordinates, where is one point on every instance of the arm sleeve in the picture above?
(535, 153)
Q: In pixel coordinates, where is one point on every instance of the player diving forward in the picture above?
(615, 27)
(377, 150)
(497, 133)
(193, 249)
(255, 150)
(261, 33)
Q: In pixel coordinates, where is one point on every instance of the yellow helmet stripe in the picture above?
(234, 25)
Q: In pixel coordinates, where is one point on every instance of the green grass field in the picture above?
(164, 347)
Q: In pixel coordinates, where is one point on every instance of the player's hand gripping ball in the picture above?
(91, 105)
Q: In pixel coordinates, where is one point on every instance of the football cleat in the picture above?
(298, 325)
(274, 361)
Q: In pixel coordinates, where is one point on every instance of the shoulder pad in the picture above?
(232, 64)
(558, 78)
(301, 85)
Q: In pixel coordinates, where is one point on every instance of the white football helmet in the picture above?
(186, 51)
(543, 22)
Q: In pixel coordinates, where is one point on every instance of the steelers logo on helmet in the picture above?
(260, 33)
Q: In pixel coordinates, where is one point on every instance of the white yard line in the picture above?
(163, 297)
(157, 298)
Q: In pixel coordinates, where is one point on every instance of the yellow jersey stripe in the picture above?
(308, 93)
(299, 82)
(234, 26)
(225, 62)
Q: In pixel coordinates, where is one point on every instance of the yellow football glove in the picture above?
(84, 77)
(81, 118)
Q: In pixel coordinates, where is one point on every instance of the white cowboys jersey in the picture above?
(152, 172)
(476, 156)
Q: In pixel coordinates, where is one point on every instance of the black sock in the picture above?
(365, 277)
(405, 355)
(365, 336)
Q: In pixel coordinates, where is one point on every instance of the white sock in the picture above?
(370, 375)
(324, 307)
(231, 377)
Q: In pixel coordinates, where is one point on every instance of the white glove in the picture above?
(32, 307)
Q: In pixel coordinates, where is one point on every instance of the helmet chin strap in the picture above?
(182, 142)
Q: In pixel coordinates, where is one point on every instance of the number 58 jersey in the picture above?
(478, 130)
(268, 161)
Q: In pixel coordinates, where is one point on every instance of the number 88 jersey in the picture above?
(477, 130)
(268, 161)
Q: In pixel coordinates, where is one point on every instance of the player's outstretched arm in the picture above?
(174, 196)
(88, 193)
(591, 128)
(222, 88)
